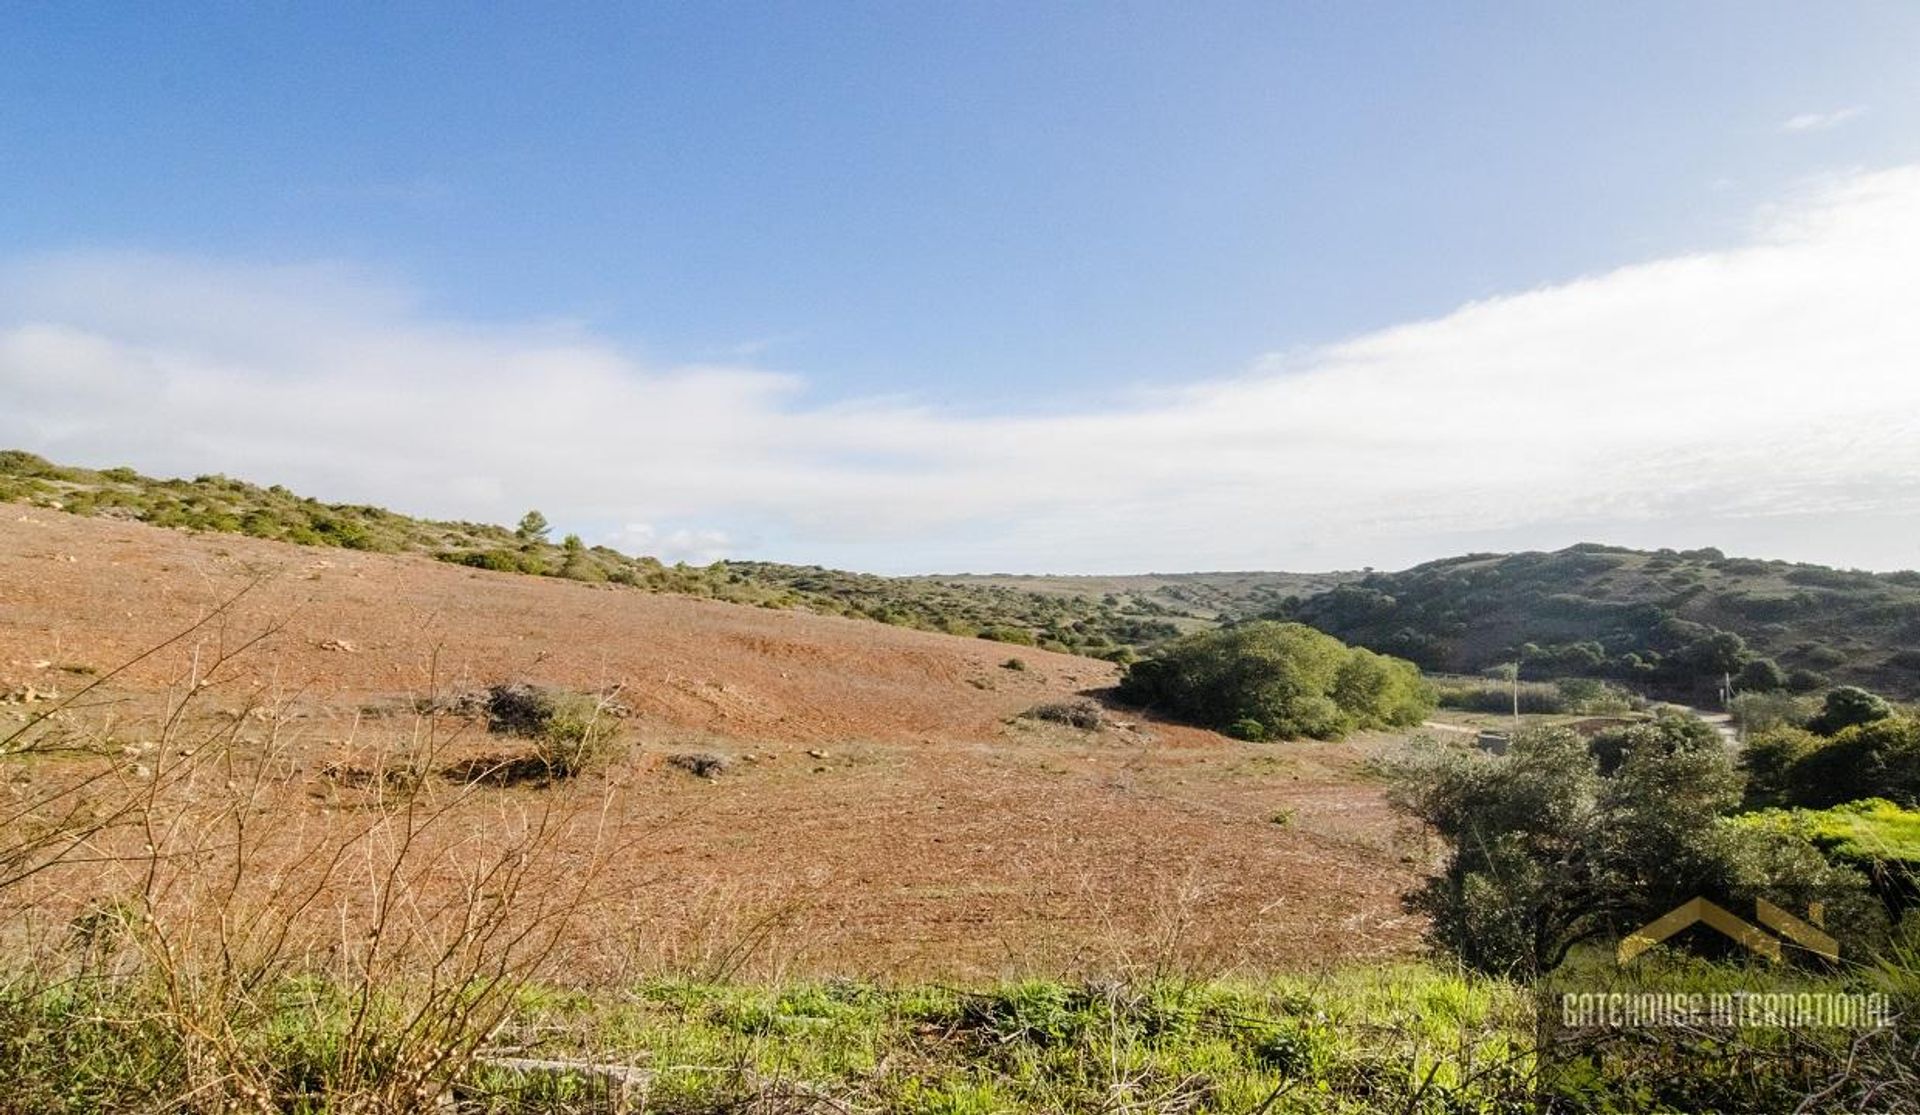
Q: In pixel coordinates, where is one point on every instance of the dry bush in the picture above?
(252, 952)
(572, 733)
(700, 764)
(1082, 714)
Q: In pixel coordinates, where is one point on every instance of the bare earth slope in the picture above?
(885, 812)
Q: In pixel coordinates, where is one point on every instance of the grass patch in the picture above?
(1403, 1037)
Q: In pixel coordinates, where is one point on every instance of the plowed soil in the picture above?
(883, 811)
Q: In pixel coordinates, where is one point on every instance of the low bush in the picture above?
(1499, 696)
(1761, 712)
(1018, 636)
(700, 764)
(571, 732)
(1768, 758)
(1083, 714)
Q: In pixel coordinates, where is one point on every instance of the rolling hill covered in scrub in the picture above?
(1666, 621)
(1114, 626)
(1672, 621)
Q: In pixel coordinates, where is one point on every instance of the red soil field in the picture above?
(885, 812)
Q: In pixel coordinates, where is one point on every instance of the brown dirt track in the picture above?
(938, 836)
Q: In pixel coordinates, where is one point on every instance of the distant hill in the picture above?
(1209, 598)
(1667, 621)
(1673, 621)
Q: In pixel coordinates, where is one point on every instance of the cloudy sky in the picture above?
(1052, 288)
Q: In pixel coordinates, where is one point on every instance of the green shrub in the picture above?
(1548, 852)
(1018, 636)
(1594, 697)
(1807, 681)
(579, 565)
(1761, 712)
(1878, 759)
(500, 561)
(1769, 758)
(1761, 675)
(1499, 696)
(1846, 707)
(1669, 732)
(1247, 729)
(1290, 679)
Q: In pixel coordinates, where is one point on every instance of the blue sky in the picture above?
(948, 218)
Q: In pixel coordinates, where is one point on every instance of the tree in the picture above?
(1287, 678)
(1761, 675)
(1711, 656)
(533, 527)
(1518, 890)
(1847, 706)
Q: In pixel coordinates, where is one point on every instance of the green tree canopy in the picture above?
(1270, 680)
(533, 527)
(1847, 706)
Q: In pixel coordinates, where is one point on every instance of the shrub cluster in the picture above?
(571, 732)
(1269, 680)
(1855, 747)
(1587, 696)
(1549, 849)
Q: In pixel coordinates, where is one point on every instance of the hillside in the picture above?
(1671, 622)
(1116, 628)
(1665, 620)
(883, 806)
(1196, 599)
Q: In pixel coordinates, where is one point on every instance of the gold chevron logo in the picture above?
(1700, 911)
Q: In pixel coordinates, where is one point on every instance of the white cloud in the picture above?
(1821, 121)
(1743, 397)
(695, 547)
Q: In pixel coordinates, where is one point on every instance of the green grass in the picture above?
(1399, 1036)
(1868, 832)
(1869, 828)
(1875, 837)
(1408, 1038)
